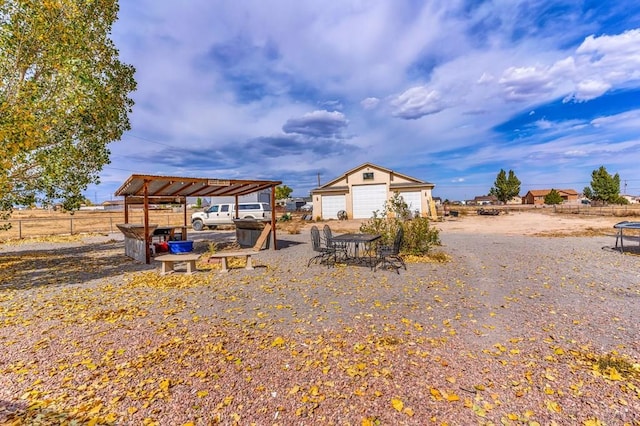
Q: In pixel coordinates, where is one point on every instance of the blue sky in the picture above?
(448, 91)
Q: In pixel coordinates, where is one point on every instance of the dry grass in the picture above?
(587, 232)
(38, 223)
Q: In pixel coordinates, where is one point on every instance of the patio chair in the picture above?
(340, 247)
(323, 252)
(389, 255)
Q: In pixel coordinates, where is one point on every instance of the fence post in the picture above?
(71, 226)
(20, 229)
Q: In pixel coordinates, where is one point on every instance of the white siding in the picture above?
(413, 201)
(331, 205)
(367, 199)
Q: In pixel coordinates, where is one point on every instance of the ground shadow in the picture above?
(68, 265)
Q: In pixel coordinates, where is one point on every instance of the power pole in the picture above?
(318, 179)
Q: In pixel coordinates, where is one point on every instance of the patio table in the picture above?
(355, 240)
(621, 226)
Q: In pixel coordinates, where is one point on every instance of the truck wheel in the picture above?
(197, 225)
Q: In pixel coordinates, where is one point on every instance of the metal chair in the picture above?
(323, 252)
(340, 247)
(389, 255)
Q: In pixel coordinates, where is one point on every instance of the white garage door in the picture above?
(331, 205)
(413, 201)
(367, 199)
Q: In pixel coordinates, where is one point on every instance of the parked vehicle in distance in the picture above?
(307, 207)
(224, 214)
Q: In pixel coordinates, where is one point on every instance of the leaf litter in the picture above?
(515, 338)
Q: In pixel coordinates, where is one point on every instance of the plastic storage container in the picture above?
(177, 247)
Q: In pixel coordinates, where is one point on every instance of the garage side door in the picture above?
(413, 201)
(331, 205)
(367, 199)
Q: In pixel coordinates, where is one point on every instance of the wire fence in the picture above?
(35, 227)
(588, 210)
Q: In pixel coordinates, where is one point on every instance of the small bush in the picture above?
(419, 236)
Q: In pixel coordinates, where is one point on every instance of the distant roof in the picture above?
(543, 192)
(167, 188)
(329, 185)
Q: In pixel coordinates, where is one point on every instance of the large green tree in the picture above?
(604, 187)
(505, 187)
(283, 192)
(64, 96)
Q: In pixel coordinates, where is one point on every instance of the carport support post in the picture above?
(273, 218)
(147, 249)
(184, 226)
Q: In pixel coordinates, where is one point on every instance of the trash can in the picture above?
(248, 231)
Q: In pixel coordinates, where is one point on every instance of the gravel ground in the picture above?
(513, 330)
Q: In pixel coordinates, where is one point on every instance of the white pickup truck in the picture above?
(223, 214)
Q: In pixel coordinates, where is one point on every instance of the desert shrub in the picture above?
(419, 236)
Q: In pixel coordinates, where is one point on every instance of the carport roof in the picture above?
(170, 187)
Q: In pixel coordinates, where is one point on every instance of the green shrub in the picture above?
(419, 236)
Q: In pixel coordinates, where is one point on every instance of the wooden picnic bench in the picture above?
(168, 261)
(225, 255)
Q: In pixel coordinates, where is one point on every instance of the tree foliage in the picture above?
(604, 187)
(283, 192)
(64, 96)
(553, 197)
(505, 188)
(419, 236)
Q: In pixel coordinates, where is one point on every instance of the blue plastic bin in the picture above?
(177, 247)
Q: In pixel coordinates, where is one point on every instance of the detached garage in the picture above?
(365, 189)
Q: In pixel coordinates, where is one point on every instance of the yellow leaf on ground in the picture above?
(613, 374)
(553, 406)
(452, 397)
(436, 394)
(278, 341)
(397, 404)
(202, 393)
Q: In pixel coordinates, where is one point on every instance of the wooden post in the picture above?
(184, 224)
(273, 218)
(147, 249)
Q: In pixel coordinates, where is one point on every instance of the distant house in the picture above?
(113, 205)
(536, 196)
(483, 200)
(515, 200)
(632, 199)
(365, 189)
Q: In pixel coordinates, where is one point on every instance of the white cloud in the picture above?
(370, 103)
(417, 102)
(213, 75)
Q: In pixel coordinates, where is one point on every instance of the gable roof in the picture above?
(543, 192)
(374, 166)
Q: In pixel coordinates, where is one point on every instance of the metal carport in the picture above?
(149, 189)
